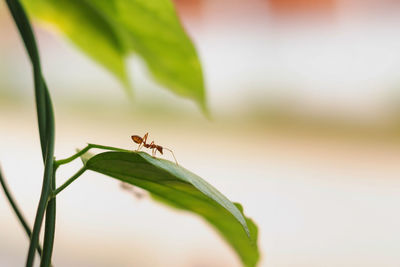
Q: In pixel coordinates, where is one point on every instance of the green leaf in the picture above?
(109, 30)
(88, 28)
(158, 37)
(179, 188)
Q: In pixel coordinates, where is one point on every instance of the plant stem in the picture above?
(84, 150)
(50, 225)
(69, 181)
(44, 197)
(57, 163)
(109, 148)
(46, 131)
(69, 159)
(17, 210)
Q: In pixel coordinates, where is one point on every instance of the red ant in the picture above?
(154, 148)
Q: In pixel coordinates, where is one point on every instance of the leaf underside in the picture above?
(110, 30)
(179, 188)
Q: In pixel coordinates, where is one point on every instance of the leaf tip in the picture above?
(204, 108)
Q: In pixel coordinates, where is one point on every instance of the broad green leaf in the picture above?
(179, 188)
(157, 35)
(110, 30)
(88, 27)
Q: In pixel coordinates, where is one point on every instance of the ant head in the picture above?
(160, 148)
(137, 139)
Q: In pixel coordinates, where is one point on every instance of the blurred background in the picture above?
(305, 132)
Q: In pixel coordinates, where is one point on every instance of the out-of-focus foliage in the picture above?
(179, 188)
(110, 30)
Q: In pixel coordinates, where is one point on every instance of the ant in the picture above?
(154, 148)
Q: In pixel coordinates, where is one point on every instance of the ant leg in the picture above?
(139, 147)
(143, 142)
(151, 146)
(172, 155)
(145, 138)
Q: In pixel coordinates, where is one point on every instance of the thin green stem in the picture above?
(17, 210)
(22, 22)
(69, 181)
(50, 225)
(60, 162)
(49, 185)
(46, 128)
(109, 148)
(84, 150)
(73, 157)
(44, 198)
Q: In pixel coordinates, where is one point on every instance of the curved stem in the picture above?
(17, 211)
(69, 181)
(46, 128)
(84, 150)
(73, 157)
(44, 198)
(50, 225)
(109, 148)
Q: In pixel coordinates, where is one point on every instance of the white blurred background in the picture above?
(305, 133)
